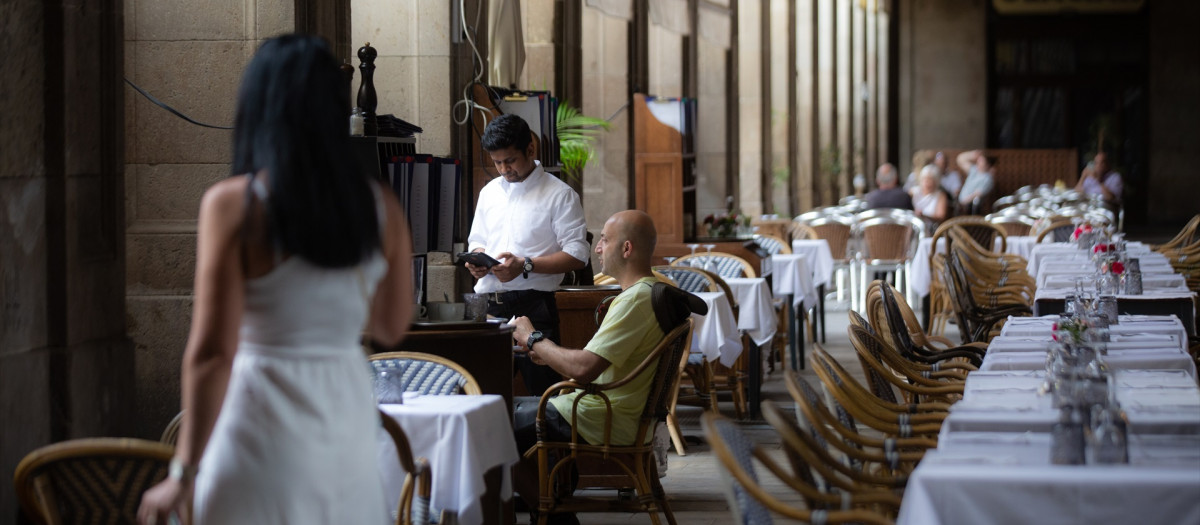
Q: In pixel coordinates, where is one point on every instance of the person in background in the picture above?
(1099, 179)
(629, 332)
(929, 201)
(888, 195)
(951, 179)
(920, 159)
(297, 252)
(533, 224)
(980, 180)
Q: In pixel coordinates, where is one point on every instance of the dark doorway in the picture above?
(1069, 81)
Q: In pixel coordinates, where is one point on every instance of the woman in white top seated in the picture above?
(929, 201)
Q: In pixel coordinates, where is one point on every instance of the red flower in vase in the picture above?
(1100, 248)
(1117, 267)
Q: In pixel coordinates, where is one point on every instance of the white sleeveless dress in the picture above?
(295, 441)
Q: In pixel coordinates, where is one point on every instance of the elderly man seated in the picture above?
(629, 332)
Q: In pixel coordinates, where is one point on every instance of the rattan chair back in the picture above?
(728, 266)
(93, 480)
(748, 501)
(835, 230)
(426, 374)
(1060, 229)
(801, 231)
(772, 244)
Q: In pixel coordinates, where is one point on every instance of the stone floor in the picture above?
(693, 482)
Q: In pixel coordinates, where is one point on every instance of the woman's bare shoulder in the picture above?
(224, 201)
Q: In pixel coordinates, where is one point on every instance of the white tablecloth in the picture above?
(716, 334)
(919, 273)
(463, 437)
(1029, 353)
(791, 276)
(756, 311)
(1131, 327)
(992, 461)
(820, 259)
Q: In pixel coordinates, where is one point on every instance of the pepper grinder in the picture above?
(367, 99)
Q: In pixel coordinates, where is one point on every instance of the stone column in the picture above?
(66, 368)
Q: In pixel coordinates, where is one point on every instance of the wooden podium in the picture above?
(664, 183)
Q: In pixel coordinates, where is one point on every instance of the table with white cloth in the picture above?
(1164, 292)
(820, 261)
(992, 462)
(1137, 342)
(463, 437)
(756, 317)
(792, 278)
(716, 334)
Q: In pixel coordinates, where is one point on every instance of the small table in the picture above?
(463, 437)
(821, 262)
(756, 317)
(716, 334)
(792, 279)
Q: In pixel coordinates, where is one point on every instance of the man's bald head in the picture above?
(637, 227)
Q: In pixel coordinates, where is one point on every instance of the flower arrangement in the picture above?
(1114, 267)
(1072, 328)
(725, 224)
(1081, 230)
(1103, 247)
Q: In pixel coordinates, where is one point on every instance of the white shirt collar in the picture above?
(534, 178)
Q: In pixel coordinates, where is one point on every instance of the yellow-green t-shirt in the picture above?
(628, 334)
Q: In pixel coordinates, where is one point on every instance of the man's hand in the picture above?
(510, 268)
(522, 327)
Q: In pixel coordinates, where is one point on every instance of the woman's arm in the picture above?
(939, 209)
(392, 307)
(212, 343)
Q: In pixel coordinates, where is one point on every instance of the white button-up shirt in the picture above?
(538, 216)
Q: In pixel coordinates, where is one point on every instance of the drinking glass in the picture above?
(709, 264)
(669, 260)
(693, 262)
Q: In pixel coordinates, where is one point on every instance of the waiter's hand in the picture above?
(509, 268)
(476, 271)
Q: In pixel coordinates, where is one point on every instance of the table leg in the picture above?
(800, 314)
(925, 317)
(791, 328)
(756, 374)
(821, 313)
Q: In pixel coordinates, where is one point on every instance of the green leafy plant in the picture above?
(576, 135)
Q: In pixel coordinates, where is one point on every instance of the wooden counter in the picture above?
(577, 312)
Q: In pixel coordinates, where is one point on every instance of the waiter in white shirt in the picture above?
(533, 224)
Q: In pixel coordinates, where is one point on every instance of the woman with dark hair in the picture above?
(296, 253)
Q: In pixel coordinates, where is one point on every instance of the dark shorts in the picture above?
(525, 420)
(542, 310)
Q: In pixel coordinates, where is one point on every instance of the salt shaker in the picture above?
(1066, 439)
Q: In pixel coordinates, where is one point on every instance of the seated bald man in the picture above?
(629, 332)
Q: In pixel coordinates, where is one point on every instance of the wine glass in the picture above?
(670, 260)
(709, 264)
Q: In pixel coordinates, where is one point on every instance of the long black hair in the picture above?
(293, 123)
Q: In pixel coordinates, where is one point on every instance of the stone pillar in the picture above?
(754, 179)
(1174, 129)
(190, 55)
(605, 51)
(66, 368)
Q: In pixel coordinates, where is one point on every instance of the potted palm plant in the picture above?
(576, 135)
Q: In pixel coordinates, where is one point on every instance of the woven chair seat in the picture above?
(424, 374)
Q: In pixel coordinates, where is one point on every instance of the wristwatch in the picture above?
(528, 268)
(533, 339)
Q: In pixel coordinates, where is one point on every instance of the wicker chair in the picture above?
(426, 374)
(1186, 236)
(1059, 230)
(413, 508)
(918, 383)
(802, 231)
(867, 453)
(835, 230)
(94, 480)
(813, 463)
(727, 265)
(171, 433)
(772, 244)
(975, 322)
(865, 408)
(635, 461)
(888, 243)
(751, 504)
(1012, 224)
(896, 324)
(979, 229)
